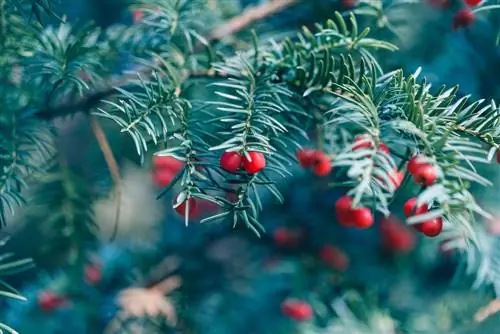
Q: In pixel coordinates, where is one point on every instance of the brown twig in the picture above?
(112, 166)
(228, 28)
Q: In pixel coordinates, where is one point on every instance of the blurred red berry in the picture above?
(167, 163)
(255, 164)
(50, 301)
(285, 237)
(137, 15)
(463, 18)
(349, 3)
(334, 257)
(163, 178)
(498, 156)
(396, 237)
(321, 164)
(473, 3)
(92, 274)
(231, 161)
(296, 309)
(304, 156)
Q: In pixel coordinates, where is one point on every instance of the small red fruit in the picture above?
(343, 207)
(181, 209)
(321, 164)
(425, 175)
(349, 3)
(168, 163)
(231, 161)
(49, 301)
(297, 309)
(163, 178)
(410, 209)
(334, 257)
(305, 157)
(463, 18)
(395, 236)
(415, 163)
(92, 274)
(362, 217)
(473, 3)
(431, 228)
(137, 15)
(255, 164)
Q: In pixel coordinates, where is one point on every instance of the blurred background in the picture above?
(216, 279)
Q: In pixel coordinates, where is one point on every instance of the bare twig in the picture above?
(228, 28)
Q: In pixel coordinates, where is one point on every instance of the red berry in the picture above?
(343, 207)
(92, 274)
(285, 237)
(321, 163)
(415, 163)
(163, 178)
(362, 217)
(297, 309)
(334, 257)
(395, 236)
(137, 15)
(410, 209)
(305, 157)
(50, 301)
(425, 175)
(473, 2)
(181, 209)
(167, 163)
(431, 228)
(255, 164)
(362, 142)
(463, 18)
(231, 161)
(384, 148)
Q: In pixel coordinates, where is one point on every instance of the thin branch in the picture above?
(231, 27)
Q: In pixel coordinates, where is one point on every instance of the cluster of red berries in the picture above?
(430, 228)
(423, 172)
(297, 309)
(317, 160)
(396, 237)
(252, 163)
(165, 169)
(50, 301)
(348, 216)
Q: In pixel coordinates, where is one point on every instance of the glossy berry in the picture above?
(231, 161)
(297, 309)
(334, 258)
(473, 3)
(304, 156)
(415, 163)
(181, 209)
(425, 175)
(167, 163)
(49, 301)
(362, 217)
(431, 228)
(321, 164)
(395, 236)
(255, 164)
(410, 208)
(92, 274)
(463, 18)
(343, 207)
(163, 178)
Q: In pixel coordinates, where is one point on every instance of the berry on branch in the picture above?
(321, 164)
(231, 161)
(343, 207)
(285, 237)
(463, 18)
(431, 228)
(425, 175)
(362, 217)
(50, 301)
(296, 309)
(410, 208)
(396, 237)
(181, 208)
(254, 163)
(304, 156)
